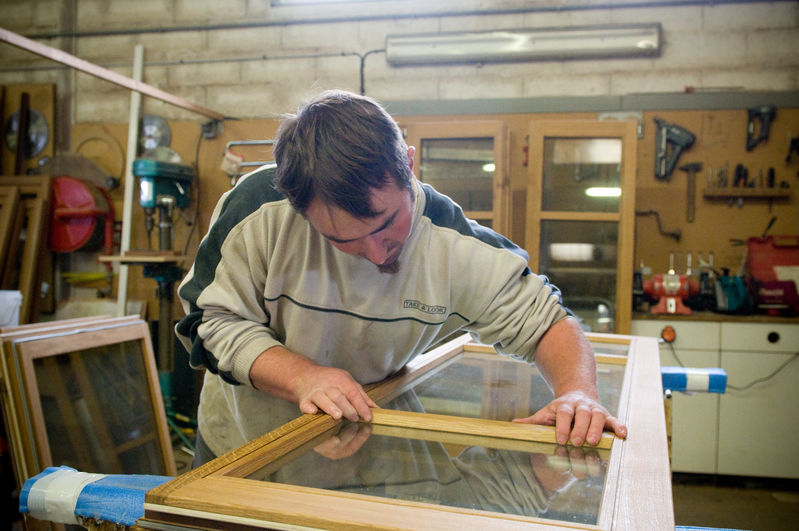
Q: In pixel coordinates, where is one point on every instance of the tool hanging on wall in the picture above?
(763, 115)
(670, 141)
(692, 168)
(676, 235)
(793, 148)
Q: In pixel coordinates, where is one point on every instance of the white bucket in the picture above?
(10, 301)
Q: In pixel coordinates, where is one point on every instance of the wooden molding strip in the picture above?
(469, 426)
(62, 57)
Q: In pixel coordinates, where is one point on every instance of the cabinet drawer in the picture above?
(759, 337)
(690, 335)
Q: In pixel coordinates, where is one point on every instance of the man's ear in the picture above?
(411, 153)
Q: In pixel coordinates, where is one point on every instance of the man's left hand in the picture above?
(580, 414)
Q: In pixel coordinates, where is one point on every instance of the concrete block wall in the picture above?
(250, 59)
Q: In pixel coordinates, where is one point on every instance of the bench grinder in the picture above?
(163, 186)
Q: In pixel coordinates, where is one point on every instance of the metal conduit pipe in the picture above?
(401, 16)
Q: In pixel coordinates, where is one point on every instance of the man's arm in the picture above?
(566, 361)
(295, 378)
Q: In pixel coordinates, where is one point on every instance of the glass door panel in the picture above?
(467, 161)
(579, 257)
(463, 169)
(582, 174)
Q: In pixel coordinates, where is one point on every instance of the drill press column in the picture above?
(163, 186)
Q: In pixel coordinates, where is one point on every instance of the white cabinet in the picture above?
(759, 420)
(694, 426)
(750, 430)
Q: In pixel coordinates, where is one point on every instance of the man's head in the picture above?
(342, 163)
(338, 148)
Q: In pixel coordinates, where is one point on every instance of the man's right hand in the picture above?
(335, 392)
(290, 376)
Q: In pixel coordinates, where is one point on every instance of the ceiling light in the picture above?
(568, 42)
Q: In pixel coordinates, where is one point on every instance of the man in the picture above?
(346, 269)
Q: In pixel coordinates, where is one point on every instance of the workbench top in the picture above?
(717, 317)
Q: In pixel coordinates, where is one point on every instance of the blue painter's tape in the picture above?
(707, 380)
(117, 498)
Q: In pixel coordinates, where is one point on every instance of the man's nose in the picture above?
(374, 249)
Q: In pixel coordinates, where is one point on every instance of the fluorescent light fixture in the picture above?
(568, 42)
(603, 191)
(489, 167)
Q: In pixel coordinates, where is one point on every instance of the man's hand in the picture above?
(580, 414)
(335, 392)
(293, 377)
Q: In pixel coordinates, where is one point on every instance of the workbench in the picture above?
(441, 454)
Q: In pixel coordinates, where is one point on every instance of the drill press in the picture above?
(163, 186)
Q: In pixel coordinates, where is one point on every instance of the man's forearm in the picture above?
(276, 372)
(566, 360)
(295, 378)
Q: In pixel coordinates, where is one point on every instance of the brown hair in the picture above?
(338, 147)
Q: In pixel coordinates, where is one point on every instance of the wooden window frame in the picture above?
(22, 410)
(218, 495)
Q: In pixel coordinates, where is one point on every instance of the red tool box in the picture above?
(774, 262)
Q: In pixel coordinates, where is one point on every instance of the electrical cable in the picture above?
(195, 215)
(765, 378)
(673, 352)
(751, 384)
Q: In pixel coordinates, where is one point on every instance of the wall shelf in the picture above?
(763, 193)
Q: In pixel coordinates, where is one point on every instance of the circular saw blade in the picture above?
(38, 133)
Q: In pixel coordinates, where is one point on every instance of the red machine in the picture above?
(82, 217)
(774, 262)
(671, 289)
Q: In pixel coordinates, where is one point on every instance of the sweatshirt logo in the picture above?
(416, 305)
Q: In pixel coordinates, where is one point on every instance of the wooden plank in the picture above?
(471, 426)
(30, 271)
(130, 183)
(9, 211)
(462, 439)
(644, 460)
(62, 57)
(258, 504)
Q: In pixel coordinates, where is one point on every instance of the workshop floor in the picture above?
(735, 503)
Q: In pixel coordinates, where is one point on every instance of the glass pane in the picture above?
(484, 473)
(497, 387)
(463, 169)
(581, 174)
(97, 410)
(519, 478)
(579, 257)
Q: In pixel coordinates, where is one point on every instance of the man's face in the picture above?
(379, 239)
